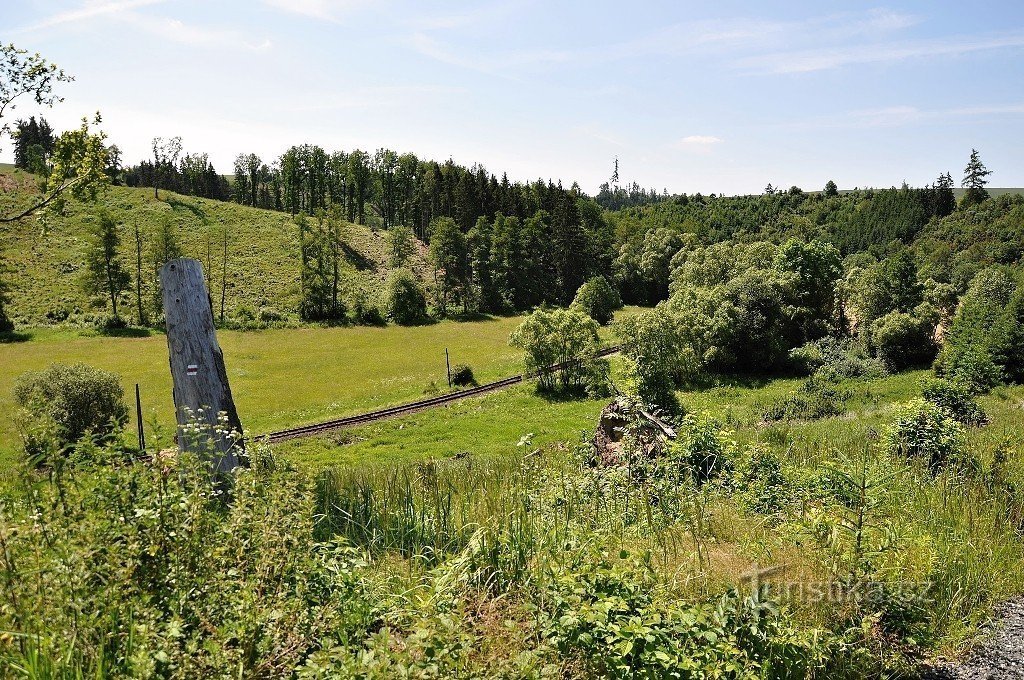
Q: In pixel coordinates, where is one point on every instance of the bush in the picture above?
(701, 451)
(462, 376)
(404, 300)
(656, 355)
(925, 432)
(168, 581)
(597, 299)
(75, 400)
(956, 398)
(566, 338)
(814, 399)
(902, 340)
(833, 360)
(269, 315)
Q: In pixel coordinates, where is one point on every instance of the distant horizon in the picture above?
(690, 98)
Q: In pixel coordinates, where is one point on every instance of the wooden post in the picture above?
(448, 365)
(197, 363)
(138, 419)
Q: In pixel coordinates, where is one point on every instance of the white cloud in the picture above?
(89, 10)
(697, 142)
(325, 10)
(177, 31)
(804, 61)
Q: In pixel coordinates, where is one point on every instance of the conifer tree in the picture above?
(105, 271)
(974, 180)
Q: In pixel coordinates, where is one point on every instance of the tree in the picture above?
(22, 74)
(655, 353)
(33, 143)
(974, 180)
(139, 307)
(597, 299)
(831, 190)
(404, 299)
(163, 247)
(401, 245)
(105, 271)
(449, 256)
(564, 338)
(945, 201)
(165, 160)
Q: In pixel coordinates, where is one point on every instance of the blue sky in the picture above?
(712, 97)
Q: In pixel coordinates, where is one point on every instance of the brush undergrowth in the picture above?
(713, 559)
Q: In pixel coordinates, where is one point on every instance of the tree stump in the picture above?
(201, 390)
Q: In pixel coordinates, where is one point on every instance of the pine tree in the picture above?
(974, 180)
(945, 201)
(105, 272)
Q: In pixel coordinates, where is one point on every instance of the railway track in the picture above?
(405, 409)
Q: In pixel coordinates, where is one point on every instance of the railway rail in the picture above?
(405, 409)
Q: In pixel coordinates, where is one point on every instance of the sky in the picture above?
(715, 97)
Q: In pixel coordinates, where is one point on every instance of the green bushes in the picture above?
(69, 402)
(814, 399)
(956, 398)
(985, 343)
(148, 573)
(597, 299)
(901, 340)
(564, 338)
(926, 433)
(404, 299)
(462, 376)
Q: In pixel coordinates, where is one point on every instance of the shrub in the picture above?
(763, 485)
(832, 359)
(701, 451)
(901, 340)
(404, 300)
(565, 338)
(597, 299)
(925, 432)
(77, 400)
(976, 344)
(270, 315)
(462, 376)
(814, 399)
(656, 355)
(956, 398)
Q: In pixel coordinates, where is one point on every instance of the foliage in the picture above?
(597, 299)
(956, 398)
(106, 273)
(169, 580)
(833, 359)
(404, 300)
(73, 401)
(814, 399)
(401, 245)
(926, 432)
(979, 339)
(701, 451)
(566, 340)
(901, 340)
(462, 376)
(657, 358)
(320, 272)
(448, 254)
(974, 181)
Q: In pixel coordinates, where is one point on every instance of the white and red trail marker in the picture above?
(192, 369)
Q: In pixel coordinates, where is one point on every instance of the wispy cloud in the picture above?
(89, 10)
(804, 61)
(382, 97)
(894, 116)
(697, 143)
(324, 10)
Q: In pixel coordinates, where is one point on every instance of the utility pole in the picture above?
(448, 365)
(201, 390)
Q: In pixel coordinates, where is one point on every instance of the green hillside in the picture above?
(45, 259)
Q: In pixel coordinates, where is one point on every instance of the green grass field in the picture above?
(281, 377)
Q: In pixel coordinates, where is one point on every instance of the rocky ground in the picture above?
(999, 657)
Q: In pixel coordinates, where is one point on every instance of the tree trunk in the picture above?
(201, 390)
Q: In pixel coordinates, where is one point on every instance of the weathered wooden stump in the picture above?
(201, 390)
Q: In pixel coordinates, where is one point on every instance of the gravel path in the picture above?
(999, 657)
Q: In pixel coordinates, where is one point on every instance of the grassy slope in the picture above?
(45, 264)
